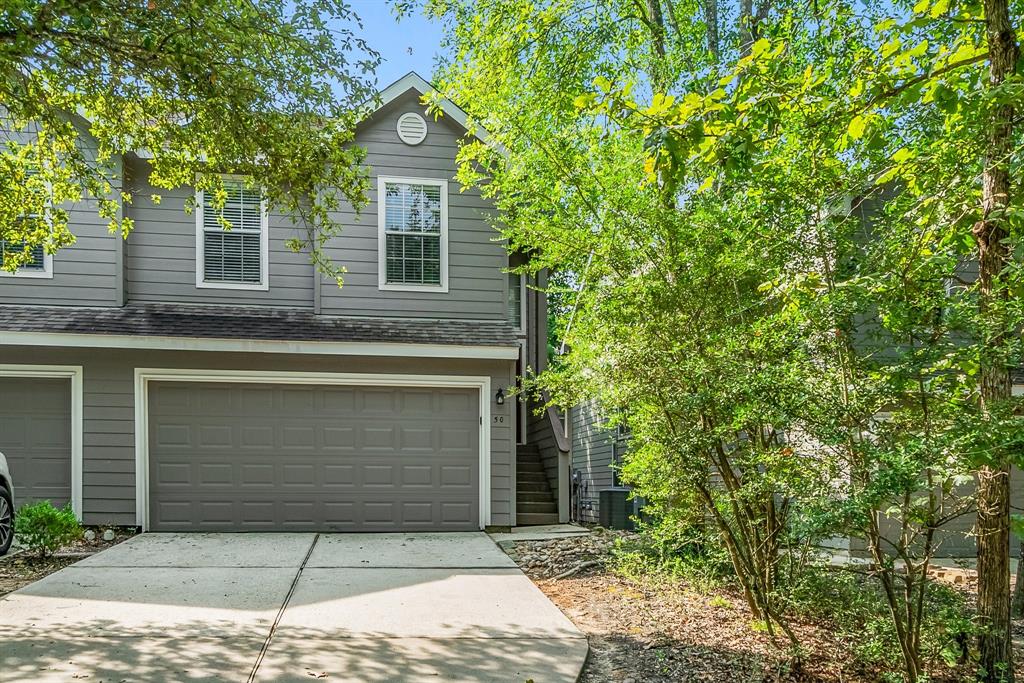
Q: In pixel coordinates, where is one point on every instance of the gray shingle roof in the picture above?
(234, 322)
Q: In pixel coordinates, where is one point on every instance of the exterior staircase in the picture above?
(535, 501)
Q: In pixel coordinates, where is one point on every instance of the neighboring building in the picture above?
(597, 451)
(189, 378)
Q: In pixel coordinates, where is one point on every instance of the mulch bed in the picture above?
(21, 568)
(666, 631)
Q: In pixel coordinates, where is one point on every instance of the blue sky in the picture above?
(407, 45)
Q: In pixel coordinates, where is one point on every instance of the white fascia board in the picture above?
(393, 349)
(416, 82)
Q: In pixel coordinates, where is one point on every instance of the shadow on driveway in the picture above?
(153, 620)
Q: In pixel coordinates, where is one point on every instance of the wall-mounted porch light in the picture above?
(499, 397)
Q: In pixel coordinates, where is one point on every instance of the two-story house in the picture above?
(189, 378)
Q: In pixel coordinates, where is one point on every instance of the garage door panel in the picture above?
(35, 436)
(417, 475)
(312, 458)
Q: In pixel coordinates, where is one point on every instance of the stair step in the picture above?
(539, 477)
(529, 466)
(528, 448)
(545, 506)
(532, 486)
(535, 518)
(534, 497)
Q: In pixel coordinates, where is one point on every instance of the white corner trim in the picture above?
(117, 341)
(145, 375)
(382, 276)
(264, 284)
(74, 373)
(46, 273)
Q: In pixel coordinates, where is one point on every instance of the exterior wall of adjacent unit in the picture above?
(477, 285)
(108, 478)
(87, 273)
(594, 450)
(956, 538)
(160, 264)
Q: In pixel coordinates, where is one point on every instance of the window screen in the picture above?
(234, 255)
(412, 233)
(515, 299)
(37, 254)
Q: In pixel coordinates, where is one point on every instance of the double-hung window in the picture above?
(236, 257)
(413, 221)
(39, 264)
(516, 299)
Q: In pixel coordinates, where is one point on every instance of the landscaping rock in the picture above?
(550, 558)
(108, 535)
(90, 535)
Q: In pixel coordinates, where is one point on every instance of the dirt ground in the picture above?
(21, 568)
(668, 632)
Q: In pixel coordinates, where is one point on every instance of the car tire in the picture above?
(6, 520)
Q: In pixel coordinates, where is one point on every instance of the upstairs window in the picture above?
(234, 258)
(413, 219)
(40, 264)
(516, 300)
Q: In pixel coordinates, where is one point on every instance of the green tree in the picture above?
(268, 89)
(670, 166)
(927, 101)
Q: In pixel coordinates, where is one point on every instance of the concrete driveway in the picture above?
(289, 607)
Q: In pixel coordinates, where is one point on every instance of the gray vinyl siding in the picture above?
(108, 472)
(593, 451)
(85, 273)
(160, 257)
(476, 282)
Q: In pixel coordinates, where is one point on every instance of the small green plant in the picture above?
(718, 602)
(44, 528)
(674, 551)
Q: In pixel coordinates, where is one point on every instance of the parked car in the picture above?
(6, 507)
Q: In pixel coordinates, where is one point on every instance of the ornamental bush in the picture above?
(44, 528)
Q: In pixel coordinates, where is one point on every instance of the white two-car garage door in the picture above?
(248, 457)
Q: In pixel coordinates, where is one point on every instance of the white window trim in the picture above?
(73, 373)
(382, 260)
(145, 375)
(264, 283)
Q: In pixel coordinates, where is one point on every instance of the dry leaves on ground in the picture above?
(22, 568)
(667, 632)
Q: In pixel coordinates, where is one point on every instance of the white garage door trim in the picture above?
(145, 375)
(74, 373)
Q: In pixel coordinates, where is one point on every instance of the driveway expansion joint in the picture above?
(280, 612)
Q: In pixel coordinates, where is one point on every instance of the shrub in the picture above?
(675, 549)
(44, 528)
(854, 605)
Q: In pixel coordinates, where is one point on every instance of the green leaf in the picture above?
(760, 47)
(858, 124)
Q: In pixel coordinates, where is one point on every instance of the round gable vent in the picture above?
(412, 129)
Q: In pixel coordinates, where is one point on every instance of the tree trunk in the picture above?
(993, 528)
(711, 21)
(746, 26)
